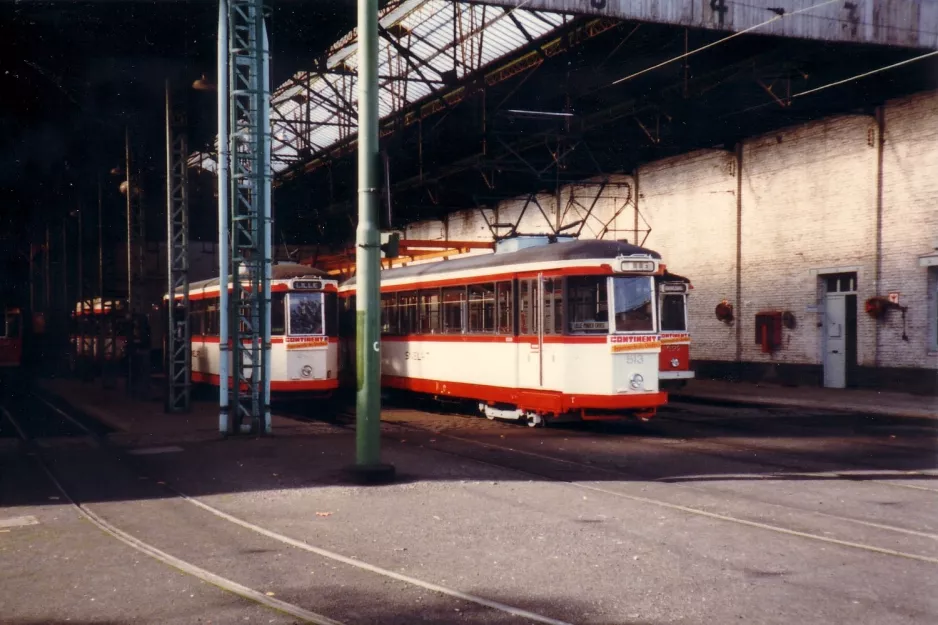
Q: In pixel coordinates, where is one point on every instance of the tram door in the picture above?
(531, 341)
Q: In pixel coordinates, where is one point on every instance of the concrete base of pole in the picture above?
(371, 474)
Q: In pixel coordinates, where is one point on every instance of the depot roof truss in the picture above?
(427, 51)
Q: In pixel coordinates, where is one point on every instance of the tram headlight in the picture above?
(637, 381)
(675, 362)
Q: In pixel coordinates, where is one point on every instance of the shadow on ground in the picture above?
(681, 445)
(436, 609)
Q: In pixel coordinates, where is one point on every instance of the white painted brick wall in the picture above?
(690, 203)
(429, 229)
(808, 202)
(611, 215)
(469, 225)
(910, 225)
(530, 219)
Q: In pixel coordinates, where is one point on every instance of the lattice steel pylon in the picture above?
(249, 149)
(178, 351)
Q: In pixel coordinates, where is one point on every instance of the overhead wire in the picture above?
(836, 83)
(865, 74)
(712, 44)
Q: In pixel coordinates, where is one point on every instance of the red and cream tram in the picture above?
(550, 331)
(101, 323)
(674, 360)
(304, 330)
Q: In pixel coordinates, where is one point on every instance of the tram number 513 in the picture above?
(635, 359)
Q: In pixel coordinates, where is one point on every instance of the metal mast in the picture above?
(136, 238)
(249, 127)
(368, 465)
(224, 184)
(177, 259)
(135, 230)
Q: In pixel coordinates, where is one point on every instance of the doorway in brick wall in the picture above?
(839, 329)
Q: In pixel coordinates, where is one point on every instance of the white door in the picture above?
(835, 341)
(530, 352)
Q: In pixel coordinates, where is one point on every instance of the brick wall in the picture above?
(910, 225)
(808, 206)
(526, 214)
(689, 202)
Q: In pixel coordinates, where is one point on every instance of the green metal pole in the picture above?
(367, 257)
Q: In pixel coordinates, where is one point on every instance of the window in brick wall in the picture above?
(841, 283)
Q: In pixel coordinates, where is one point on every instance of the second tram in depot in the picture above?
(674, 359)
(548, 331)
(98, 329)
(304, 331)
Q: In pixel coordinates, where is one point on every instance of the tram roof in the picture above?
(567, 250)
(280, 271)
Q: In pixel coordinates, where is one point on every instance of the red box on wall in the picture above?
(769, 331)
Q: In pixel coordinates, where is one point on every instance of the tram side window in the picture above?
(210, 321)
(482, 308)
(527, 306)
(430, 312)
(12, 326)
(347, 317)
(389, 313)
(587, 305)
(278, 319)
(553, 306)
(673, 318)
(332, 314)
(454, 307)
(407, 312)
(505, 309)
(195, 318)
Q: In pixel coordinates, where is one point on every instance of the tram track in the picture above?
(219, 581)
(788, 465)
(434, 435)
(799, 426)
(148, 549)
(793, 469)
(544, 461)
(672, 506)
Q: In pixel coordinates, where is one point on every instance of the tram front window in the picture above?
(306, 313)
(673, 318)
(632, 298)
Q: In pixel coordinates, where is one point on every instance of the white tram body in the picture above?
(551, 331)
(304, 330)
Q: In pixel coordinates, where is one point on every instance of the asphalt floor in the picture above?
(706, 514)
